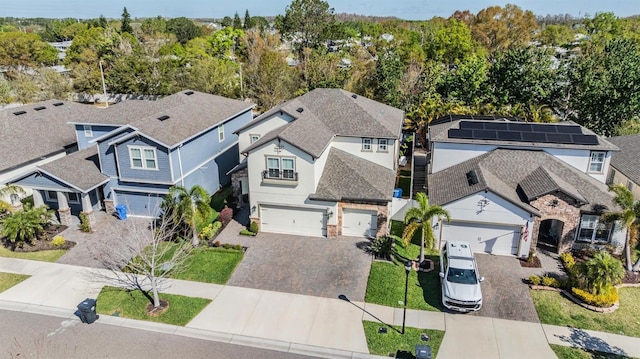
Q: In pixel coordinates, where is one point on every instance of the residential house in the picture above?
(322, 164)
(625, 164)
(511, 186)
(132, 153)
(35, 134)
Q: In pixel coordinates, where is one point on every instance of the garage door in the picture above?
(139, 204)
(359, 222)
(293, 220)
(488, 238)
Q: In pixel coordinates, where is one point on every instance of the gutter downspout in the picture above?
(180, 165)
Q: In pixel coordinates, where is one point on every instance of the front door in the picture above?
(549, 234)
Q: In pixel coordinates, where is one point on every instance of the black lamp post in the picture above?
(407, 269)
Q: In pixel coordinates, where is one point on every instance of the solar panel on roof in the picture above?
(469, 125)
(545, 128)
(520, 127)
(456, 133)
(585, 139)
(509, 136)
(498, 126)
(569, 129)
(559, 138)
(534, 137)
(485, 135)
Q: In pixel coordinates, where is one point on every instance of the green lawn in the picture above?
(404, 173)
(132, 304)
(386, 282)
(44, 256)
(401, 346)
(576, 353)
(554, 309)
(210, 265)
(8, 280)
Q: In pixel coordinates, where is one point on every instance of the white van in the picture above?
(460, 278)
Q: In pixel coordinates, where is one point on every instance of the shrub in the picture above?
(535, 280)
(532, 256)
(216, 244)
(226, 215)
(254, 227)
(567, 260)
(210, 230)
(84, 225)
(25, 225)
(58, 241)
(226, 246)
(606, 299)
(237, 247)
(382, 247)
(550, 281)
(246, 232)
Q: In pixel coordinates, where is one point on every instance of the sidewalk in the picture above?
(314, 326)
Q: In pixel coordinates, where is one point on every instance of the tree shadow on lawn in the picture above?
(430, 284)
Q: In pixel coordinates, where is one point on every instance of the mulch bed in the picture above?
(42, 243)
(631, 278)
(535, 263)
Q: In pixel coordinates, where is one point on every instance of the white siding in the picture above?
(261, 128)
(353, 145)
(447, 154)
(580, 160)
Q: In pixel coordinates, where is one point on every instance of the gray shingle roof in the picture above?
(348, 177)
(332, 112)
(80, 169)
(188, 115)
(503, 170)
(541, 182)
(35, 134)
(627, 160)
(440, 133)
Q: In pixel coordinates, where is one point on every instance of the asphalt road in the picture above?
(25, 335)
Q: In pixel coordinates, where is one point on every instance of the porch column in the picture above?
(63, 209)
(37, 198)
(87, 208)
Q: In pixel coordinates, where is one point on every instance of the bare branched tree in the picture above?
(146, 258)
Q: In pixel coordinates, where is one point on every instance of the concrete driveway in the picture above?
(504, 294)
(302, 265)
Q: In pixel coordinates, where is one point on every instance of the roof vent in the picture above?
(163, 117)
(18, 113)
(354, 96)
(39, 108)
(189, 93)
(300, 109)
(472, 177)
(56, 104)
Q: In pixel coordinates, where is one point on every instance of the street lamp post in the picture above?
(407, 269)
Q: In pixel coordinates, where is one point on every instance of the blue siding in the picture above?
(226, 162)
(162, 174)
(206, 176)
(206, 146)
(41, 181)
(98, 131)
(108, 156)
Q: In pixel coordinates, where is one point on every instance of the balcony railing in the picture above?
(280, 175)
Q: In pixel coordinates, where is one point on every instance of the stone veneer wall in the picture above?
(381, 209)
(109, 207)
(565, 211)
(236, 177)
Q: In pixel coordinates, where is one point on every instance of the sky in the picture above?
(405, 9)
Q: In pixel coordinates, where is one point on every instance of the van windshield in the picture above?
(462, 276)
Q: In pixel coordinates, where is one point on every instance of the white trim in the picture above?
(143, 158)
(221, 133)
(138, 133)
(114, 189)
(112, 132)
(604, 160)
(310, 206)
(251, 135)
(139, 181)
(88, 130)
(362, 148)
(386, 145)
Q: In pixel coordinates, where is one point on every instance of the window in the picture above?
(366, 144)
(592, 230)
(51, 196)
(382, 145)
(596, 163)
(254, 138)
(221, 133)
(281, 168)
(88, 131)
(143, 158)
(73, 197)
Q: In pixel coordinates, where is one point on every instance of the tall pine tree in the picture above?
(126, 22)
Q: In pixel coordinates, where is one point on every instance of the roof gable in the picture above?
(541, 182)
(626, 161)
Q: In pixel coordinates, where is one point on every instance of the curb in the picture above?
(201, 334)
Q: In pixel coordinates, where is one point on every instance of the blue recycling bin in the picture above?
(121, 211)
(397, 193)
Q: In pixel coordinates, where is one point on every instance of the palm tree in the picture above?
(629, 216)
(420, 217)
(603, 272)
(8, 190)
(189, 205)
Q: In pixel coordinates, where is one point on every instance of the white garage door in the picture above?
(359, 222)
(293, 220)
(488, 238)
